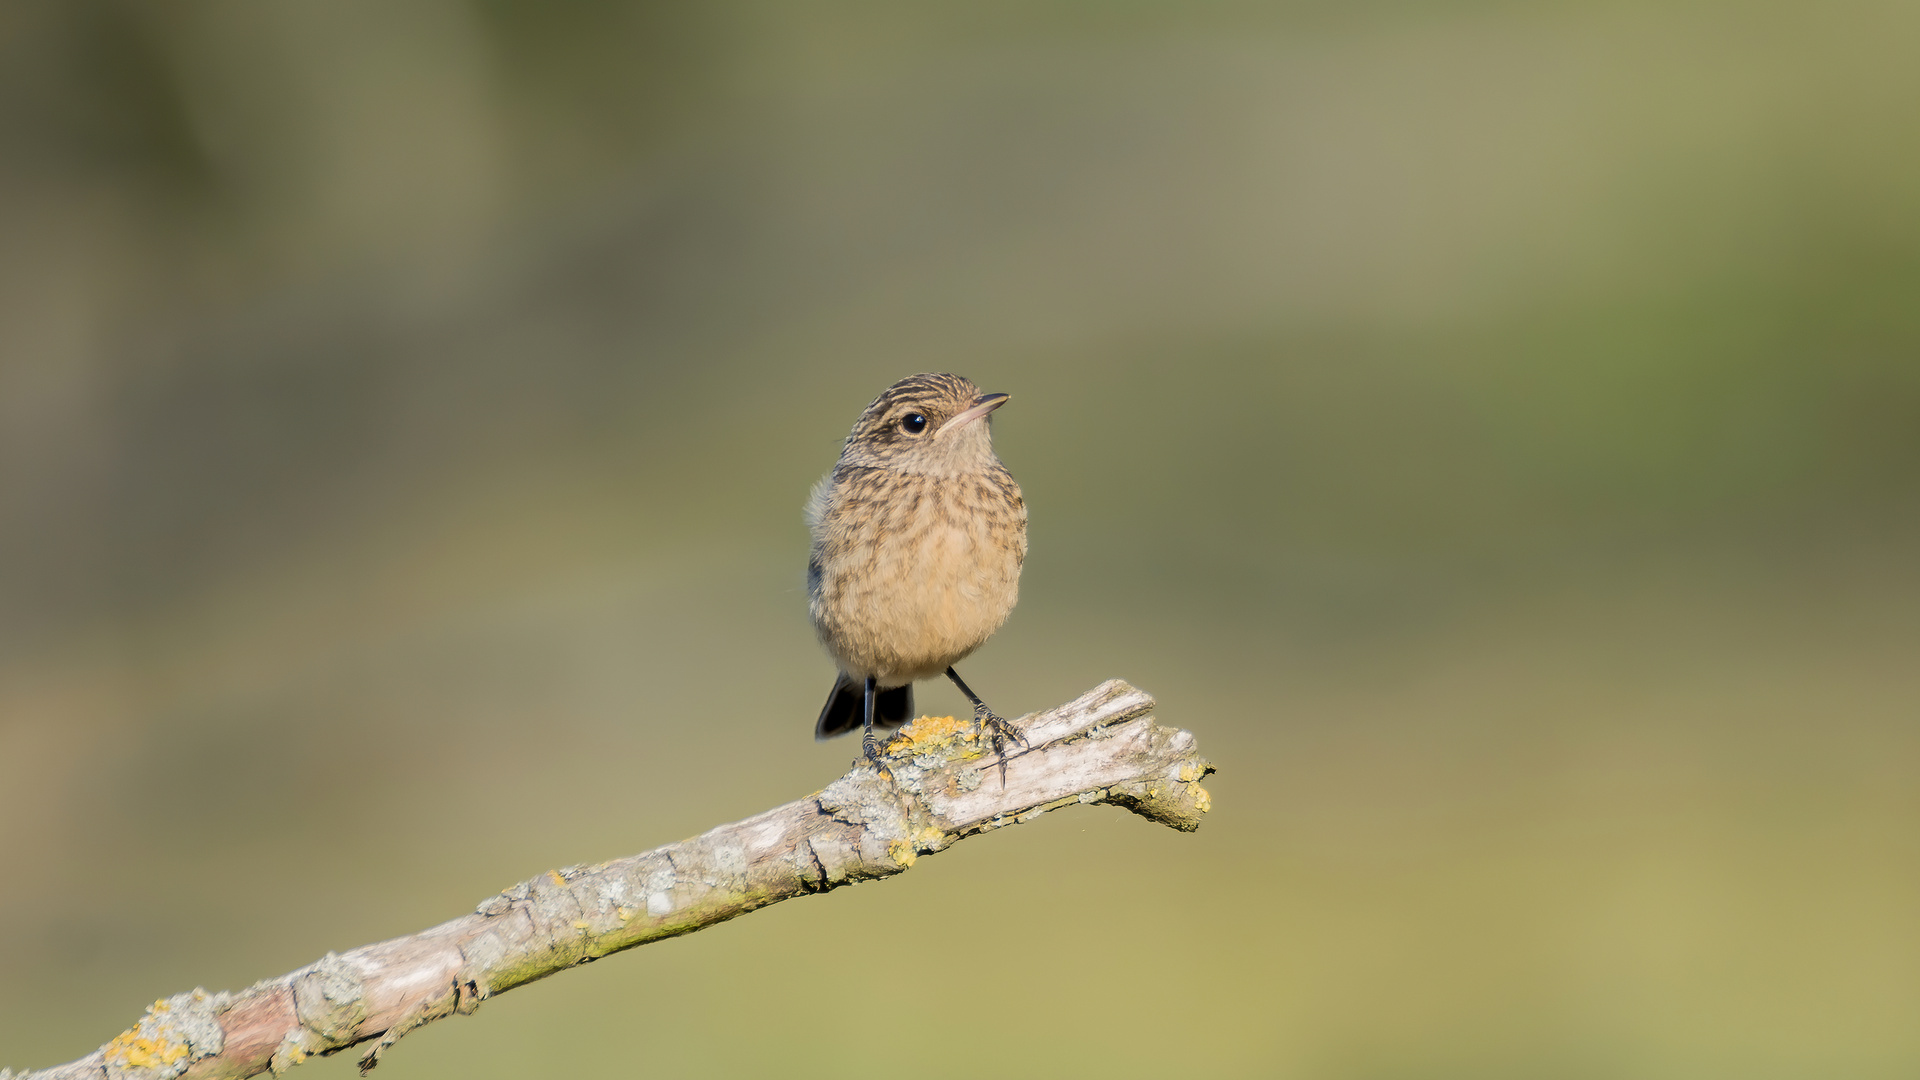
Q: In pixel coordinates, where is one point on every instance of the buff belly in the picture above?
(909, 606)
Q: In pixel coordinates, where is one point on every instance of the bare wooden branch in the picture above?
(1102, 747)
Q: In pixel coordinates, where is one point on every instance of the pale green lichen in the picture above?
(329, 1000)
(175, 1033)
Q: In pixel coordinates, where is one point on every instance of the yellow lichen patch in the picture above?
(134, 1050)
(1202, 801)
(902, 852)
(928, 733)
(557, 879)
(581, 924)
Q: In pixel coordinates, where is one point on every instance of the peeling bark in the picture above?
(1102, 747)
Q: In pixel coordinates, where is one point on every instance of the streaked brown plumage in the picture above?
(918, 538)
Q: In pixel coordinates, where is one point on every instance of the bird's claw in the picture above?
(1001, 733)
(870, 753)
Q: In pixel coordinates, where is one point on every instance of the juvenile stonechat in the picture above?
(918, 537)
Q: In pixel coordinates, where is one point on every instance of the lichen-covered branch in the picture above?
(944, 786)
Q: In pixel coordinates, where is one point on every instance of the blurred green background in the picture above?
(1493, 428)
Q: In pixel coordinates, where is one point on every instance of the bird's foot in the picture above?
(1001, 732)
(870, 753)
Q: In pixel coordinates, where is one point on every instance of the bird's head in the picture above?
(933, 423)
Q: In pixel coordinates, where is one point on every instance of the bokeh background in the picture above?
(1493, 428)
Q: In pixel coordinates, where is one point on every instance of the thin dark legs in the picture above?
(1003, 732)
(991, 725)
(867, 743)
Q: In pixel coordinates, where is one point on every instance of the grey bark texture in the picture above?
(941, 785)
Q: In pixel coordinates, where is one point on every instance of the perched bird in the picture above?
(918, 537)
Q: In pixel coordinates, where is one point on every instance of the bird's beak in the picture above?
(982, 405)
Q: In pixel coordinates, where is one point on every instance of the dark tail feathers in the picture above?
(846, 706)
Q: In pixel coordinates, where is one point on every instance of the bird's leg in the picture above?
(869, 745)
(990, 722)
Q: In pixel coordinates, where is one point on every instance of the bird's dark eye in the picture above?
(913, 423)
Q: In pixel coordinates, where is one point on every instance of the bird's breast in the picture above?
(910, 574)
